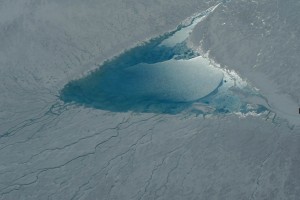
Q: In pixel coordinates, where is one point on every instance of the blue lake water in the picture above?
(162, 75)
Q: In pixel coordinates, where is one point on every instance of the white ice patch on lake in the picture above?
(175, 80)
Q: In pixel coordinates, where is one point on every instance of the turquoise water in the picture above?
(162, 75)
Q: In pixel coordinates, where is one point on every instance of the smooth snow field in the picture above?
(162, 75)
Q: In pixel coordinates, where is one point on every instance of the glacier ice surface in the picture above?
(51, 150)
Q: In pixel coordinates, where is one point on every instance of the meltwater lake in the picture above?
(163, 75)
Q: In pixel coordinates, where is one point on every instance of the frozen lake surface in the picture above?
(162, 75)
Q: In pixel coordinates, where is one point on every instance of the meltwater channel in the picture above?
(163, 75)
